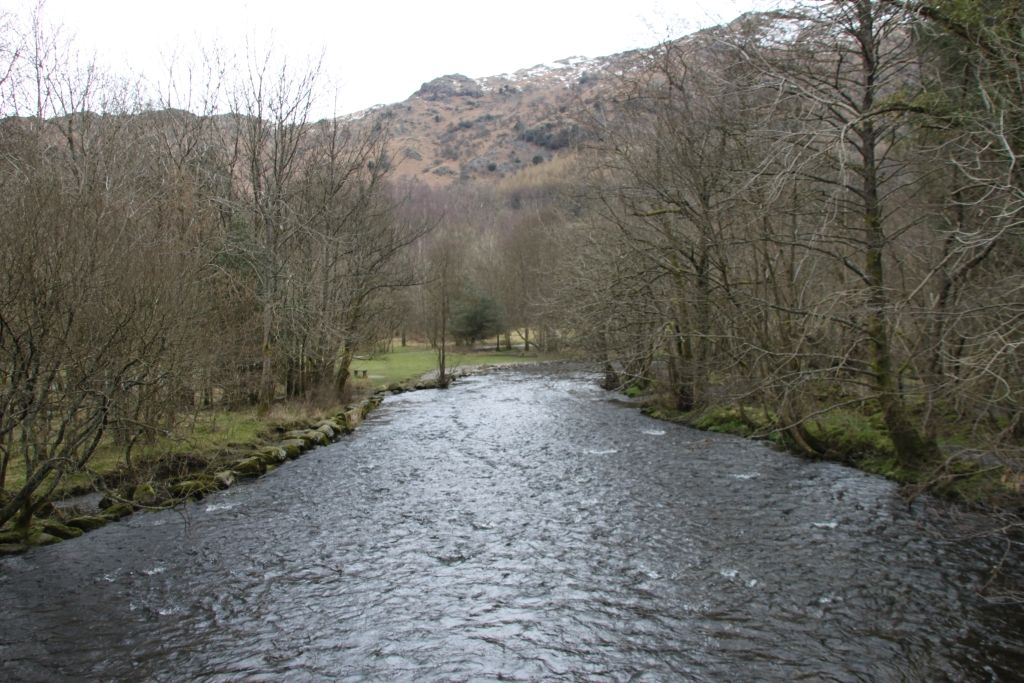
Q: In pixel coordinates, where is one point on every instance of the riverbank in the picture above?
(522, 525)
(176, 480)
(228, 446)
(965, 475)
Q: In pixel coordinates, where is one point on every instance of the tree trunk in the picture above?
(700, 334)
(680, 380)
(266, 391)
(442, 370)
(911, 446)
(341, 371)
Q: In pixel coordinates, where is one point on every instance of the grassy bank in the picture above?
(853, 438)
(404, 364)
(212, 439)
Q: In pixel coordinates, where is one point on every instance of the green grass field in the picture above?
(412, 362)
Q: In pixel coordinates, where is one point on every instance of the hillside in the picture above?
(455, 127)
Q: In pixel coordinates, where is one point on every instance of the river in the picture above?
(522, 525)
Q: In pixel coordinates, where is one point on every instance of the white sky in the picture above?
(379, 51)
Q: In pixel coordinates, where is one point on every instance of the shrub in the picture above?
(475, 317)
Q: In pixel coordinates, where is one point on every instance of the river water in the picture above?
(519, 526)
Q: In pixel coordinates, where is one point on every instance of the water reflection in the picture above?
(517, 527)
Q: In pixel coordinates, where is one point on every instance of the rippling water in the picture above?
(520, 526)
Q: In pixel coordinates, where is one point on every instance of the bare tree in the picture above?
(85, 326)
(271, 109)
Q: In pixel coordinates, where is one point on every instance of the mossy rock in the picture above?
(88, 522)
(343, 423)
(10, 536)
(272, 455)
(328, 429)
(118, 511)
(292, 448)
(12, 549)
(63, 531)
(144, 494)
(224, 478)
(316, 437)
(250, 467)
(633, 391)
(310, 436)
(192, 488)
(43, 538)
(353, 418)
(299, 435)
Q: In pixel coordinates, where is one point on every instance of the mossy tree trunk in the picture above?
(911, 446)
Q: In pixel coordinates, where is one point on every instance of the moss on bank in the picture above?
(173, 478)
(860, 441)
(220, 448)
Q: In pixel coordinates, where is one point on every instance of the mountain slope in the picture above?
(455, 127)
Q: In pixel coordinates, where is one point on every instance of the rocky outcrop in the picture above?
(452, 85)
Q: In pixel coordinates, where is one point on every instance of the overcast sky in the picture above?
(380, 51)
